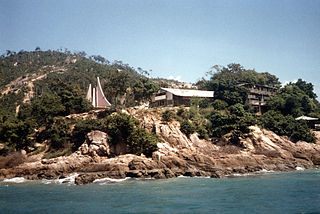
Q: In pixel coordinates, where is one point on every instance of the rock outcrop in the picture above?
(176, 155)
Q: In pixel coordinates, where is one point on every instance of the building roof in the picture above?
(265, 86)
(306, 118)
(189, 93)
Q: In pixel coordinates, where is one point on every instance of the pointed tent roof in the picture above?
(97, 97)
(102, 101)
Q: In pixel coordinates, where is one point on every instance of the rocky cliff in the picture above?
(176, 155)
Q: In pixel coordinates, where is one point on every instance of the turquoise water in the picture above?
(297, 192)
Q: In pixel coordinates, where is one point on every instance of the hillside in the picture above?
(48, 128)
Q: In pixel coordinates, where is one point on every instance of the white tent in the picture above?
(306, 118)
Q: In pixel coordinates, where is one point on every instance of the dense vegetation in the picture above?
(291, 101)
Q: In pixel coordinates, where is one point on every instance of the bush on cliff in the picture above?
(286, 125)
(124, 128)
(168, 115)
(235, 122)
(187, 128)
(59, 134)
(82, 128)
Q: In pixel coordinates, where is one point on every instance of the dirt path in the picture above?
(28, 81)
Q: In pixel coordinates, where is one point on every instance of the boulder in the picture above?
(96, 144)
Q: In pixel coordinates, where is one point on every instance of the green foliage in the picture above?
(123, 128)
(15, 134)
(286, 125)
(225, 82)
(72, 98)
(218, 124)
(119, 127)
(59, 134)
(63, 100)
(42, 110)
(291, 100)
(140, 141)
(219, 104)
(235, 121)
(143, 89)
(307, 88)
(187, 128)
(202, 132)
(168, 115)
(82, 128)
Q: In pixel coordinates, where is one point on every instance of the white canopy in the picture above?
(189, 93)
(306, 118)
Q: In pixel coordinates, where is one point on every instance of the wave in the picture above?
(15, 180)
(257, 173)
(102, 181)
(298, 168)
(66, 180)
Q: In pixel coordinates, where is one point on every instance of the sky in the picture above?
(180, 39)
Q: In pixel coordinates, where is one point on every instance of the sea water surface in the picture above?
(294, 192)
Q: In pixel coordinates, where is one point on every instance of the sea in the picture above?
(266, 192)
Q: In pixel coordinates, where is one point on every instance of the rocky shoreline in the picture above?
(176, 155)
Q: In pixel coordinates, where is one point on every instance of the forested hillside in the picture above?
(37, 87)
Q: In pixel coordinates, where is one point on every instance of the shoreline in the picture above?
(70, 180)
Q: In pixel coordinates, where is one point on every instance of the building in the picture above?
(313, 123)
(176, 97)
(96, 96)
(258, 96)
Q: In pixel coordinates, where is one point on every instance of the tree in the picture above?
(306, 87)
(143, 89)
(291, 100)
(286, 125)
(225, 81)
(116, 85)
(187, 128)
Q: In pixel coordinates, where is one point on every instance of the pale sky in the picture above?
(180, 39)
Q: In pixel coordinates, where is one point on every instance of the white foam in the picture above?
(69, 180)
(109, 180)
(15, 180)
(299, 168)
(265, 171)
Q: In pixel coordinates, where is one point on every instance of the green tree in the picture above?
(187, 127)
(291, 100)
(286, 125)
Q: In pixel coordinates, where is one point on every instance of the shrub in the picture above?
(187, 128)
(219, 104)
(286, 125)
(235, 122)
(202, 132)
(82, 128)
(204, 103)
(140, 141)
(180, 111)
(123, 128)
(167, 115)
(59, 134)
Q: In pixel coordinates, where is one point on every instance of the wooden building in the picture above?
(177, 97)
(258, 96)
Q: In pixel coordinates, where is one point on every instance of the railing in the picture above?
(256, 91)
(257, 102)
